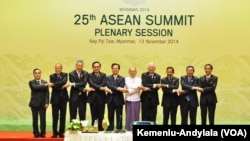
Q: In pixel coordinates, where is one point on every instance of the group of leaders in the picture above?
(138, 94)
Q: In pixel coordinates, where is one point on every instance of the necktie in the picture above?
(79, 75)
(189, 79)
(169, 79)
(115, 77)
(152, 76)
(58, 76)
(207, 78)
(187, 97)
(39, 82)
(97, 75)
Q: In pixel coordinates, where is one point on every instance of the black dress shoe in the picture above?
(100, 129)
(42, 136)
(54, 136)
(109, 129)
(61, 136)
(36, 136)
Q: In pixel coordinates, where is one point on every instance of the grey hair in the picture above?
(79, 61)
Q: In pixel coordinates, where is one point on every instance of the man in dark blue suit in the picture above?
(59, 100)
(188, 96)
(115, 98)
(97, 96)
(78, 93)
(208, 98)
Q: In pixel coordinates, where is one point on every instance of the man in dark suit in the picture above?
(97, 96)
(59, 99)
(39, 102)
(188, 96)
(149, 97)
(170, 84)
(208, 98)
(78, 93)
(115, 98)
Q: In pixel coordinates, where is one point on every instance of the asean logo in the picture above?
(134, 2)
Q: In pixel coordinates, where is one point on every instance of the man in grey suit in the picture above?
(188, 96)
(208, 98)
(39, 102)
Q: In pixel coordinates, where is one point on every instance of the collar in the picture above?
(78, 72)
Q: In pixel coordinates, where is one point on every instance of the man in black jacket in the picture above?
(59, 99)
(39, 102)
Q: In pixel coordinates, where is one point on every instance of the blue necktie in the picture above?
(187, 97)
(189, 80)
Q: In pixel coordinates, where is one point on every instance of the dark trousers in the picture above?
(59, 114)
(79, 106)
(207, 109)
(148, 111)
(188, 110)
(169, 111)
(97, 113)
(112, 108)
(41, 111)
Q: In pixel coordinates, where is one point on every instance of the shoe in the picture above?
(36, 136)
(42, 136)
(54, 136)
(100, 129)
(61, 136)
(109, 129)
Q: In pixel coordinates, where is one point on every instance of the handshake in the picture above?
(179, 91)
(105, 89)
(139, 88)
(199, 89)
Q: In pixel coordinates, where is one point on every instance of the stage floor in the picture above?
(24, 136)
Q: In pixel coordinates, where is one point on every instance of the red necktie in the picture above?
(207, 78)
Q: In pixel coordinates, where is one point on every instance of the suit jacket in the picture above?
(187, 87)
(57, 91)
(168, 97)
(97, 82)
(77, 91)
(208, 94)
(147, 81)
(39, 93)
(116, 95)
